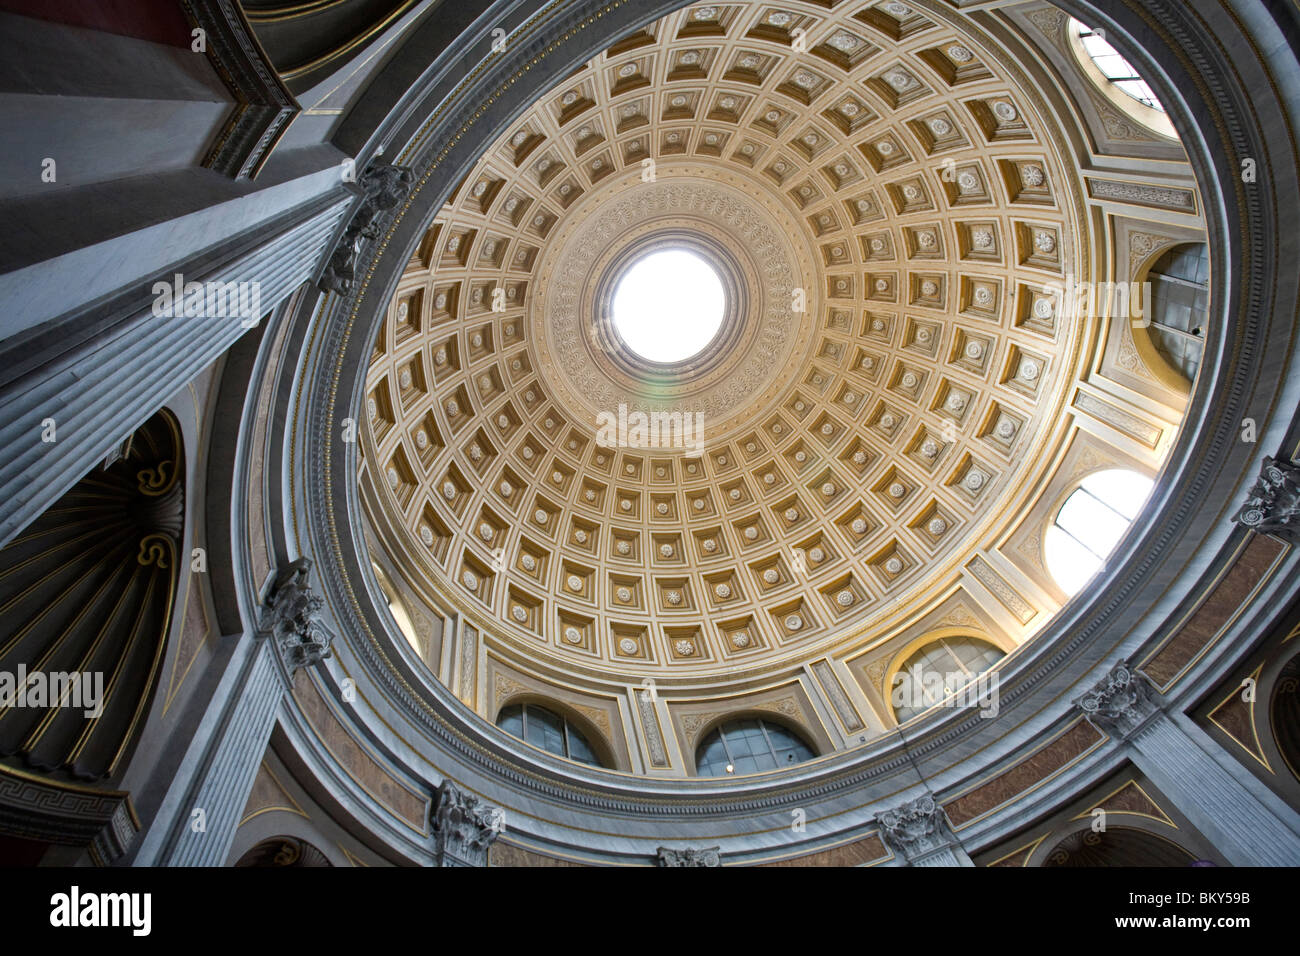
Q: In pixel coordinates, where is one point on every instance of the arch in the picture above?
(1115, 846)
(1172, 343)
(918, 645)
(1284, 715)
(283, 851)
(766, 720)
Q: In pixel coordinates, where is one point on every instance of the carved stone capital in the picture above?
(292, 619)
(384, 188)
(1274, 503)
(916, 829)
(687, 856)
(1120, 703)
(463, 831)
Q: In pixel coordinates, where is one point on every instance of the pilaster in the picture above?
(1182, 764)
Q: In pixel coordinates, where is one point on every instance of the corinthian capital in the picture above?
(688, 856)
(384, 187)
(292, 619)
(463, 831)
(1274, 503)
(916, 828)
(1120, 703)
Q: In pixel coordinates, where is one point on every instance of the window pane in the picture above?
(752, 765)
(1116, 68)
(1125, 491)
(1070, 563)
(545, 730)
(1094, 525)
(938, 670)
(512, 721)
(579, 749)
(748, 743)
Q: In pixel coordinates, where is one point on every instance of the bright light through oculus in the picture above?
(669, 306)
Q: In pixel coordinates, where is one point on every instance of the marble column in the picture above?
(1249, 829)
(58, 420)
(920, 835)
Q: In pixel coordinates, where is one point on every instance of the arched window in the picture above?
(1180, 306)
(937, 670)
(1115, 68)
(749, 746)
(547, 731)
(1090, 524)
(1117, 79)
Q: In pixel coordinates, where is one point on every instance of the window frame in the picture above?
(567, 728)
(1154, 120)
(942, 636)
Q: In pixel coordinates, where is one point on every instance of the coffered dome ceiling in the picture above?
(887, 201)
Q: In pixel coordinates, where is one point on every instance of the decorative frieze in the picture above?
(1183, 200)
(1004, 592)
(835, 693)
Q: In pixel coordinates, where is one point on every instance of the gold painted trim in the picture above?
(1101, 741)
(276, 780)
(1031, 847)
(1204, 596)
(293, 11)
(1258, 754)
(313, 65)
(1163, 818)
(382, 764)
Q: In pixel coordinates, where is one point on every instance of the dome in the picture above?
(894, 217)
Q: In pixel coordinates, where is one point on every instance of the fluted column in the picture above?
(920, 835)
(1180, 761)
(288, 639)
(59, 420)
(207, 827)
